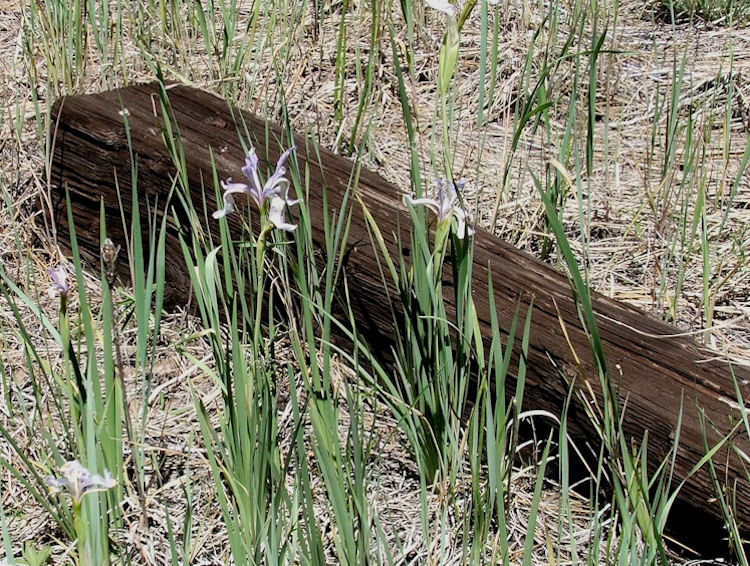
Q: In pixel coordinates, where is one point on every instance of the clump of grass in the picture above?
(434, 353)
(81, 402)
(717, 12)
(342, 453)
(80, 405)
(232, 283)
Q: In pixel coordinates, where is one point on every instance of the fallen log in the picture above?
(659, 372)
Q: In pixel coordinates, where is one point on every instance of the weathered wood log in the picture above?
(659, 372)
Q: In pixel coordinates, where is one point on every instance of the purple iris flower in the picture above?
(446, 205)
(78, 481)
(259, 192)
(60, 280)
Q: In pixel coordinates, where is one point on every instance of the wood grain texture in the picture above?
(656, 371)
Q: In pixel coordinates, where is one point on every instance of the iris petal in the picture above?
(276, 215)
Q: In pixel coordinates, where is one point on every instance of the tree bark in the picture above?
(658, 373)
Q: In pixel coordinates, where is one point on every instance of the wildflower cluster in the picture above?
(271, 197)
